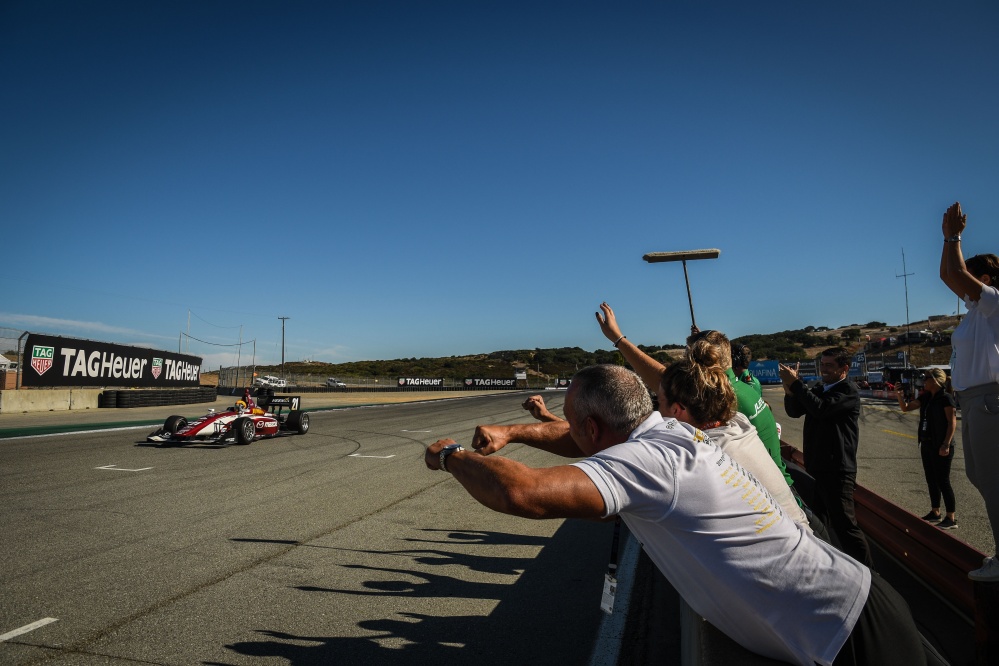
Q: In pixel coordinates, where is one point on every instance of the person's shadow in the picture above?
(549, 614)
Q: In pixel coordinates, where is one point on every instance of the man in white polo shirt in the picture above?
(713, 531)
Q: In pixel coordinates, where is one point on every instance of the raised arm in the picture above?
(906, 406)
(828, 405)
(953, 271)
(650, 370)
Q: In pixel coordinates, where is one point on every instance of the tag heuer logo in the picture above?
(157, 367)
(41, 358)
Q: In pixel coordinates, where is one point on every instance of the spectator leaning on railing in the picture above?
(715, 533)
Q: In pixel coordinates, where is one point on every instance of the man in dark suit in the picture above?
(831, 435)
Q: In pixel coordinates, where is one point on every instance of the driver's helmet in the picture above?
(240, 406)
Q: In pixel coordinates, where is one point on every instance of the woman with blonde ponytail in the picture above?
(749, 402)
(697, 391)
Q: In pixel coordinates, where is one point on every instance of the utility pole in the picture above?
(239, 351)
(905, 281)
(283, 319)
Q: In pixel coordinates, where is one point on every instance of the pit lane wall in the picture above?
(55, 400)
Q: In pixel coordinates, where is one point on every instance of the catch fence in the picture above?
(239, 377)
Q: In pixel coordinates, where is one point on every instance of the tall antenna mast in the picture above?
(905, 281)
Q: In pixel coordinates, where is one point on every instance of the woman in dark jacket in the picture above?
(937, 424)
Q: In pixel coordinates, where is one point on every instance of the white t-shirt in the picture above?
(975, 343)
(727, 546)
(739, 439)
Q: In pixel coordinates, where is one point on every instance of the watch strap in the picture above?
(448, 450)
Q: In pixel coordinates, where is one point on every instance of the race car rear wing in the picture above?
(280, 403)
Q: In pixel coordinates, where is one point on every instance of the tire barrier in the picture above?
(156, 397)
(107, 399)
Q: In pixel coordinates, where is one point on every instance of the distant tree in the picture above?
(875, 324)
(850, 334)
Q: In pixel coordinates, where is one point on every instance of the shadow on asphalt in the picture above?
(550, 615)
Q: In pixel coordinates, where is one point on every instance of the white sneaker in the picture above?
(989, 573)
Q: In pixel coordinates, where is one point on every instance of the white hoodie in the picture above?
(738, 439)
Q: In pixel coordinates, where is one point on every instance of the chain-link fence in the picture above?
(10, 361)
(8, 342)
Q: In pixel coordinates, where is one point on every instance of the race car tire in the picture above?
(173, 424)
(298, 422)
(245, 430)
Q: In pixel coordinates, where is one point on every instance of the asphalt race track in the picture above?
(334, 547)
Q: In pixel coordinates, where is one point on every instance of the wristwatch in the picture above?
(448, 450)
(953, 239)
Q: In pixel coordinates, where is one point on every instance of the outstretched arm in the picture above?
(551, 436)
(650, 370)
(511, 487)
(538, 409)
(953, 271)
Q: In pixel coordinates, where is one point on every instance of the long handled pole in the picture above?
(690, 300)
(657, 257)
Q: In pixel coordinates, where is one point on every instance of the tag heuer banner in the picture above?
(482, 382)
(58, 361)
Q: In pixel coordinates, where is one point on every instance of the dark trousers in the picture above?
(937, 470)
(885, 633)
(833, 502)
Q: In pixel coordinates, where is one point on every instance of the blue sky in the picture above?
(407, 179)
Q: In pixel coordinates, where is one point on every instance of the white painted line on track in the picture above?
(427, 431)
(74, 432)
(28, 627)
(358, 455)
(115, 468)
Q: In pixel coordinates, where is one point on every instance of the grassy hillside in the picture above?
(563, 362)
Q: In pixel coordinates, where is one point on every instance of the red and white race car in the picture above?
(242, 423)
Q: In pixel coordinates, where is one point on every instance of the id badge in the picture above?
(610, 589)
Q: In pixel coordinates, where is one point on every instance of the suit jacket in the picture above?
(832, 430)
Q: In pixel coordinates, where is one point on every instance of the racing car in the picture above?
(242, 423)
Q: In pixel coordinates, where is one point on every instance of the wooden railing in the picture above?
(932, 555)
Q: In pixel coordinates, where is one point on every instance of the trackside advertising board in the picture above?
(483, 382)
(421, 382)
(765, 371)
(56, 361)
